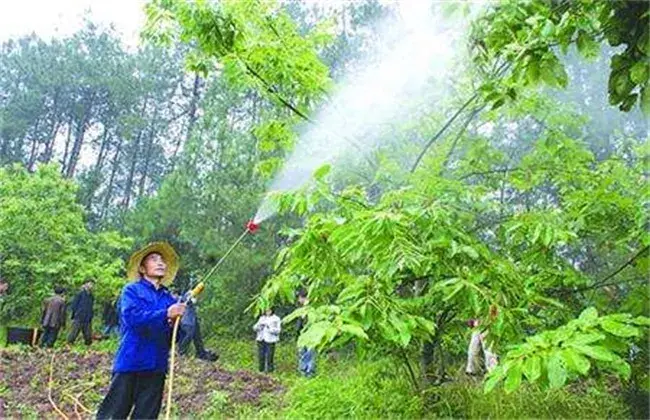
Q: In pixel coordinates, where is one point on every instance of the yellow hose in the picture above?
(170, 386)
(168, 409)
(49, 389)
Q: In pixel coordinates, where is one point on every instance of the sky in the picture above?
(57, 18)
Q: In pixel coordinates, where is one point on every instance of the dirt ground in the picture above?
(80, 379)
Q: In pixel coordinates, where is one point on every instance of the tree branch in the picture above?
(604, 281)
(442, 131)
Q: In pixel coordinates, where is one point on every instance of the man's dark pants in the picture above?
(192, 334)
(265, 354)
(140, 391)
(84, 327)
(49, 336)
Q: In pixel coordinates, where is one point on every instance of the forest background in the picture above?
(519, 196)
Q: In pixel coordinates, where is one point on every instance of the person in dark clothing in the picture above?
(147, 311)
(53, 318)
(82, 314)
(4, 332)
(306, 356)
(191, 332)
(110, 318)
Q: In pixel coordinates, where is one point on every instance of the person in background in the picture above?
(268, 328)
(110, 317)
(4, 286)
(82, 314)
(53, 318)
(147, 313)
(476, 344)
(191, 331)
(306, 356)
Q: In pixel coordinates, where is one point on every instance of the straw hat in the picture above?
(162, 248)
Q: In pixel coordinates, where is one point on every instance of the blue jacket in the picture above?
(146, 333)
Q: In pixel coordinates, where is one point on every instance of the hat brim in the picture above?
(165, 250)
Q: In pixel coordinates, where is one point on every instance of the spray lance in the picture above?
(251, 227)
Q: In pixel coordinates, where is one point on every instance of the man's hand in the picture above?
(176, 310)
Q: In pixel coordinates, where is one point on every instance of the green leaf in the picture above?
(618, 329)
(576, 361)
(589, 314)
(469, 251)
(533, 368)
(513, 380)
(498, 103)
(549, 29)
(639, 72)
(556, 371)
(587, 46)
(582, 339)
(622, 368)
(493, 379)
(642, 320)
(354, 330)
(536, 234)
(532, 71)
(548, 236)
(314, 334)
(595, 352)
(322, 172)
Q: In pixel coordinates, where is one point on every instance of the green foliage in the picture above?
(526, 37)
(367, 390)
(499, 240)
(587, 400)
(101, 111)
(523, 217)
(258, 47)
(44, 241)
(554, 356)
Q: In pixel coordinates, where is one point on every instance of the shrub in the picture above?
(585, 400)
(362, 390)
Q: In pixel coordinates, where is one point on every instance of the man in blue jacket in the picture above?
(147, 309)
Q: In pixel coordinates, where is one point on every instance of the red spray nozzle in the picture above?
(251, 226)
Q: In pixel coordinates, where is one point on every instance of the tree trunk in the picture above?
(49, 146)
(32, 153)
(135, 151)
(147, 152)
(432, 351)
(194, 102)
(129, 180)
(96, 180)
(103, 150)
(54, 128)
(78, 141)
(111, 180)
(67, 147)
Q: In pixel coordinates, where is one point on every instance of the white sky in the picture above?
(57, 18)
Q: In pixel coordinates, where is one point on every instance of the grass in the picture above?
(343, 388)
(346, 388)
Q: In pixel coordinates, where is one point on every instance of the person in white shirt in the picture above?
(476, 344)
(268, 329)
